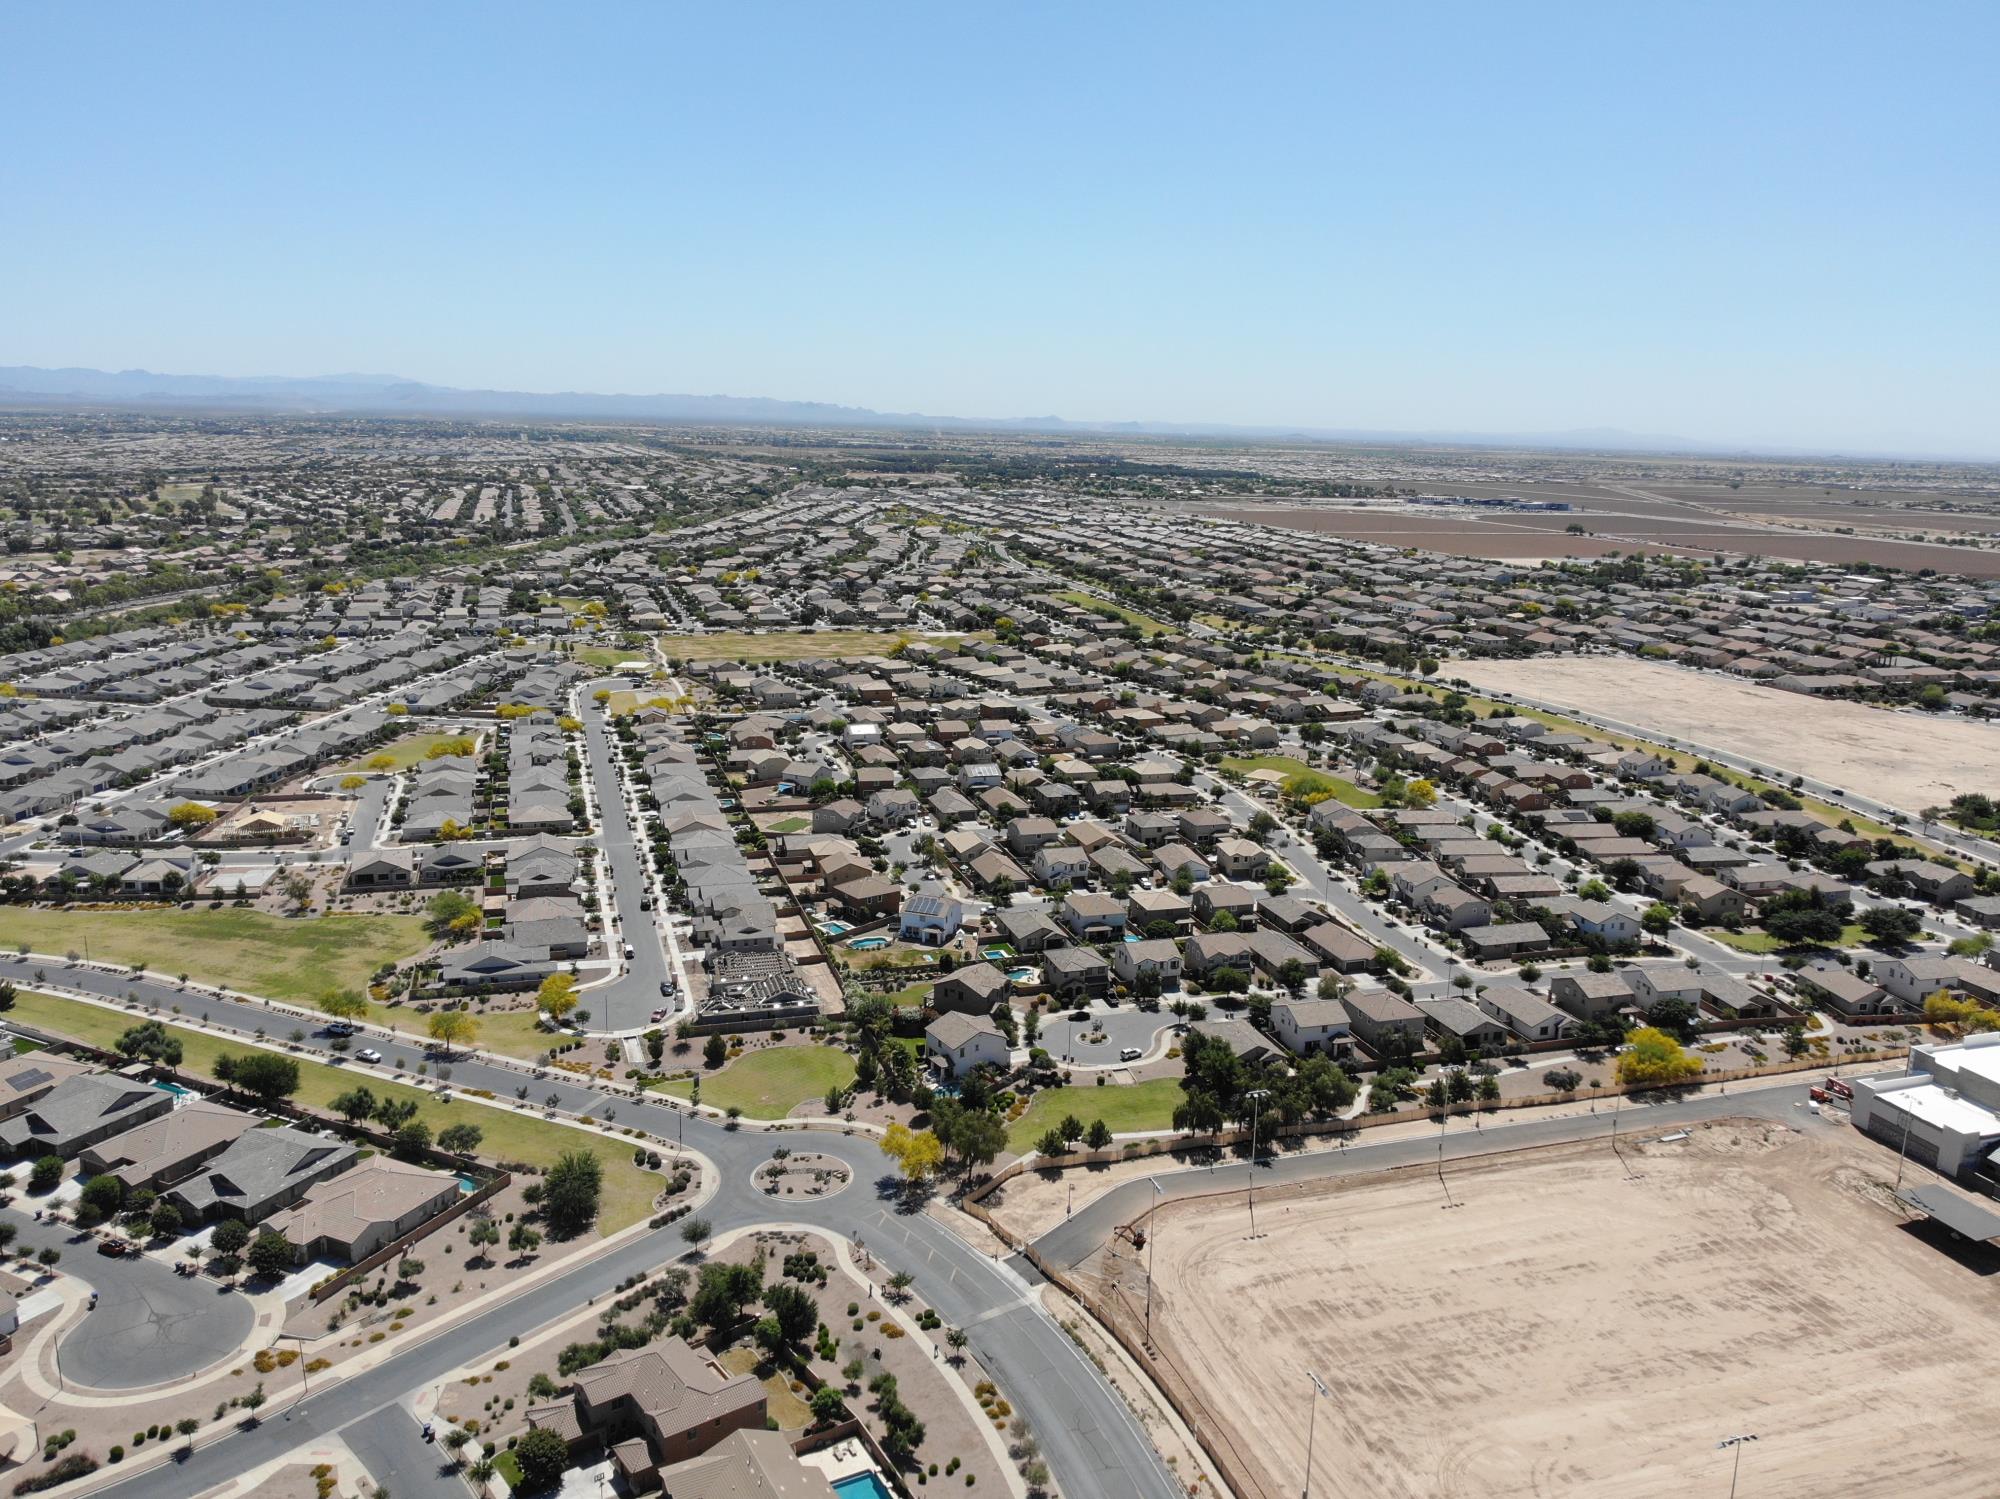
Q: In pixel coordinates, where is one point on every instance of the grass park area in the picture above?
(795, 645)
(296, 959)
(413, 749)
(1138, 1106)
(509, 1136)
(1112, 609)
(770, 1083)
(1851, 935)
(1302, 780)
(605, 657)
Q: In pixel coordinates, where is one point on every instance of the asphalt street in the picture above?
(1089, 1436)
(149, 1325)
(1072, 1240)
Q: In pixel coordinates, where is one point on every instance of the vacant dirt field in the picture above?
(1907, 760)
(1566, 1330)
(1618, 523)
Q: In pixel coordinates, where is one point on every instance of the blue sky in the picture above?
(1764, 223)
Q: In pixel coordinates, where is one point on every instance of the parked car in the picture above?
(369, 1054)
(111, 1247)
(1130, 1054)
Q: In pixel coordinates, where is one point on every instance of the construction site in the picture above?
(1570, 1320)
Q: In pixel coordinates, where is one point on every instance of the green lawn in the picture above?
(628, 1191)
(277, 957)
(605, 657)
(413, 749)
(1851, 935)
(1111, 609)
(911, 994)
(1139, 1106)
(789, 825)
(770, 1083)
(1302, 780)
(797, 645)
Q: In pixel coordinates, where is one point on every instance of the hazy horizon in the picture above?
(1747, 230)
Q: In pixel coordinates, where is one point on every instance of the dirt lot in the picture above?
(1620, 522)
(1570, 1330)
(1904, 759)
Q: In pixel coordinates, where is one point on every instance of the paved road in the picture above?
(1075, 1238)
(391, 1446)
(150, 1325)
(1088, 1435)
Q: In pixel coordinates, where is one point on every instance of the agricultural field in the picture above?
(274, 957)
(1624, 519)
(1592, 1327)
(1907, 760)
(509, 1136)
(793, 645)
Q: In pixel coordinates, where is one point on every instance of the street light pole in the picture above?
(1312, 1419)
(1256, 1097)
(1736, 1466)
(1152, 1243)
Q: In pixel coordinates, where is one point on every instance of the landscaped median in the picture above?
(508, 1135)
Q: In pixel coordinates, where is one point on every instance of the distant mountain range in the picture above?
(392, 395)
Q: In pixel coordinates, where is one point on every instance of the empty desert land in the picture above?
(1906, 760)
(1577, 1326)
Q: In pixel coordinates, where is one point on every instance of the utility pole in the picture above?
(1444, 1119)
(1256, 1097)
(1152, 1243)
(1736, 1443)
(1312, 1419)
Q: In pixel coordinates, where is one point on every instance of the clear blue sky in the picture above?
(1747, 223)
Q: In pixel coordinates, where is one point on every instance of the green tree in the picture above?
(714, 1052)
(796, 1313)
(150, 1041)
(230, 1236)
(570, 1193)
(542, 1456)
(271, 1254)
(262, 1074)
(460, 1139)
(1890, 926)
(355, 1105)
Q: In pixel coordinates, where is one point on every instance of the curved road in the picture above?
(150, 1326)
(1088, 1434)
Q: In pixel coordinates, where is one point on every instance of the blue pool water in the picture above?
(1020, 975)
(868, 944)
(467, 1186)
(1134, 937)
(861, 1486)
(174, 1088)
(834, 928)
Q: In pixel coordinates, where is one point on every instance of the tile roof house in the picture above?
(653, 1408)
(79, 1112)
(746, 1465)
(169, 1147)
(352, 1215)
(261, 1171)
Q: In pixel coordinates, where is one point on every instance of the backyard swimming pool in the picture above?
(868, 944)
(861, 1486)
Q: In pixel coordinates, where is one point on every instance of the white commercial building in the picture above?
(1944, 1112)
